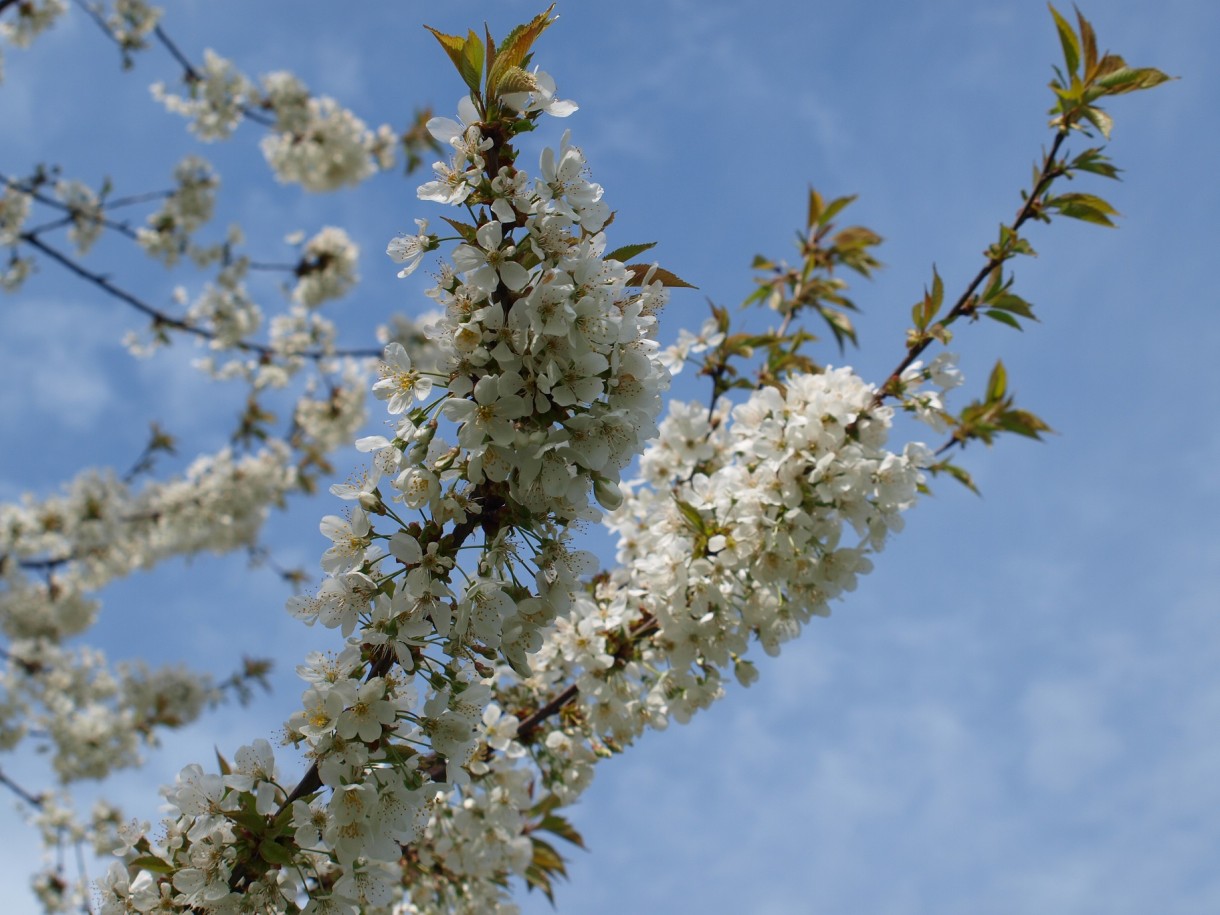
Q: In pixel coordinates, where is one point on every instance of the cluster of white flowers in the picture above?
(228, 314)
(415, 335)
(314, 141)
(330, 418)
(85, 210)
(553, 383)
(928, 404)
(333, 148)
(558, 358)
(739, 532)
(131, 21)
(539, 382)
(327, 269)
(30, 19)
(14, 210)
(219, 95)
(99, 531)
(185, 209)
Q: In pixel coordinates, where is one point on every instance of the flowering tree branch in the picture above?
(484, 665)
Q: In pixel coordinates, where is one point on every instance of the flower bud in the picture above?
(607, 493)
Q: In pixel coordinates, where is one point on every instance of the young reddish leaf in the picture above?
(516, 47)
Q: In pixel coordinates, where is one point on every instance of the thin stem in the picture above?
(162, 320)
(192, 75)
(965, 303)
(32, 800)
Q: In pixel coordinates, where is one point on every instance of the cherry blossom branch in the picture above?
(124, 228)
(192, 75)
(968, 302)
(162, 320)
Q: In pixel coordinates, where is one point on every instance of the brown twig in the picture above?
(966, 302)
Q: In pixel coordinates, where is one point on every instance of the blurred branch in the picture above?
(162, 320)
(31, 799)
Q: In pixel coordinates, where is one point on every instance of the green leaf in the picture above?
(693, 518)
(814, 214)
(546, 806)
(1010, 302)
(637, 273)
(938, 289)
(222, 763)
(958, 473)
(151, 863)
(468, 233)
(1095, 162)
(1067, 38)
(925, 311)
(470, 62)
(249, 819)
(1004, 318)
(835, 207)
(453, 45)
(627, 252)
(1024, 423)
(997, 384)
(1087, 207)
(491, 49)
(274, 853)
(546, 861)
(840, 325)
(1099, 119)
(537, 879)
(1089, 39)
(547, 858)
(558, 825)
(1122, 79)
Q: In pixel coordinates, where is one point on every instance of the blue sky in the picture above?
(1019, 710)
